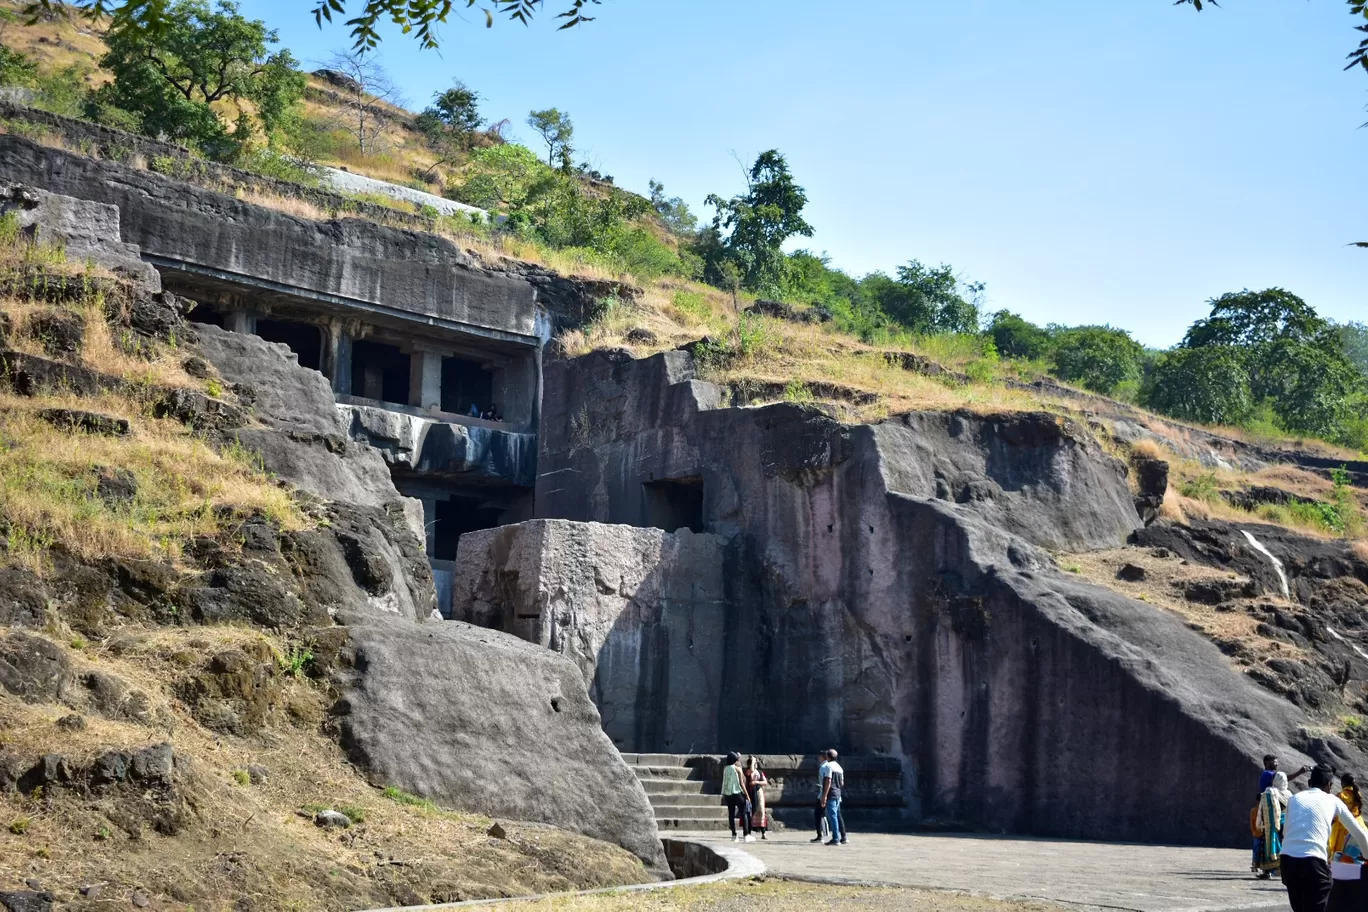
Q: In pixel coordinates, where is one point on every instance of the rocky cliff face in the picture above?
(346, 586)
(887, 590)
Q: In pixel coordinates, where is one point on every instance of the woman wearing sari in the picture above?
(1339, 836)
(1268, 824)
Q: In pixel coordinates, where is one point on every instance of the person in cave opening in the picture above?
(736, 796)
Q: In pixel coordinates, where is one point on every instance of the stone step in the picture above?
(656, 759)
(681, 787)
(691, 823)
(690, 812)
(666, 772)
(711, 802)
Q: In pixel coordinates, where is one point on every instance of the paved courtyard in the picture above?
(1088, 874)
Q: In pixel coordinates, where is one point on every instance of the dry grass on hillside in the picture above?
(256, 842)
(50, 477)
(1165, 578)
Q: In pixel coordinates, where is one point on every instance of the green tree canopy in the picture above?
(1294, 359)
(169, 79)
(927, 300)
(1100, 358)
(1209, 385)
(750, 229)
(1015, 337)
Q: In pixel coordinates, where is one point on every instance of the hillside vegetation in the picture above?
(1260, 367)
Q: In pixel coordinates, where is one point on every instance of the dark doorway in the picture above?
(457, 516)
(206, 315)
(465, 383)
(380, 371)
(304, 340)
(674, 504)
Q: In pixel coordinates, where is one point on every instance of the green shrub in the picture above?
(19, 825)
(1204, 488)
(797, 391)
(270, 163)
(242, 777)
(408, 799)
(355, 813)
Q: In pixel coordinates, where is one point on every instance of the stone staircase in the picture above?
(686, 790)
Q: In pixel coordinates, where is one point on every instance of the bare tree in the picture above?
(366, 90)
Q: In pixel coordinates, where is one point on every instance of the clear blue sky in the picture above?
(1112, 161)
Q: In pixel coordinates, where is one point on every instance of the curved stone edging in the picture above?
(739, 864)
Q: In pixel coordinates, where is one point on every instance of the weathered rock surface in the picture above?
(886, 591)
(612, 599)
(86, 230)
(481, 720)
(444, 450)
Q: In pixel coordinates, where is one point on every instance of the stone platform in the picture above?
(1091, 875)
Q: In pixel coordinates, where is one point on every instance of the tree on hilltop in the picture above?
(749, 230)
(556, 131)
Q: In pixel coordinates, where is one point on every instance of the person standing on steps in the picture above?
(736, 797)
(756, 781)
(1306, 835)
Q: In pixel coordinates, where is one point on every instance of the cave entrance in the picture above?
(466, 383)
(674, 504)
(380, 372)
(206, 316)
(304, 340)
(457, 516)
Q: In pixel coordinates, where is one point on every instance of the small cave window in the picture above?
(380, 371)
(674, 504)
(206, 315)
(304, 340)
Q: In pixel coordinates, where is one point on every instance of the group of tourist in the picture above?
(1299, 835)
(743, 792)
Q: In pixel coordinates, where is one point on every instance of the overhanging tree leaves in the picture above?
(170, 79)
(418, 18)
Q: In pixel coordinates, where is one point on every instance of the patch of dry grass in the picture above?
(769, 894)
(257, 840)
(50, 477)
(1158, 588)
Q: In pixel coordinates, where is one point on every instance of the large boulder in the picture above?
(615, 600)
(480, 720)
(374, 537)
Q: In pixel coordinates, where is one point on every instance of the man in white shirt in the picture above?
(1306, 835)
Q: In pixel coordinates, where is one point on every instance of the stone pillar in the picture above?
(430, 524)
(338, 368)
(425, 379)
(240, 320)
